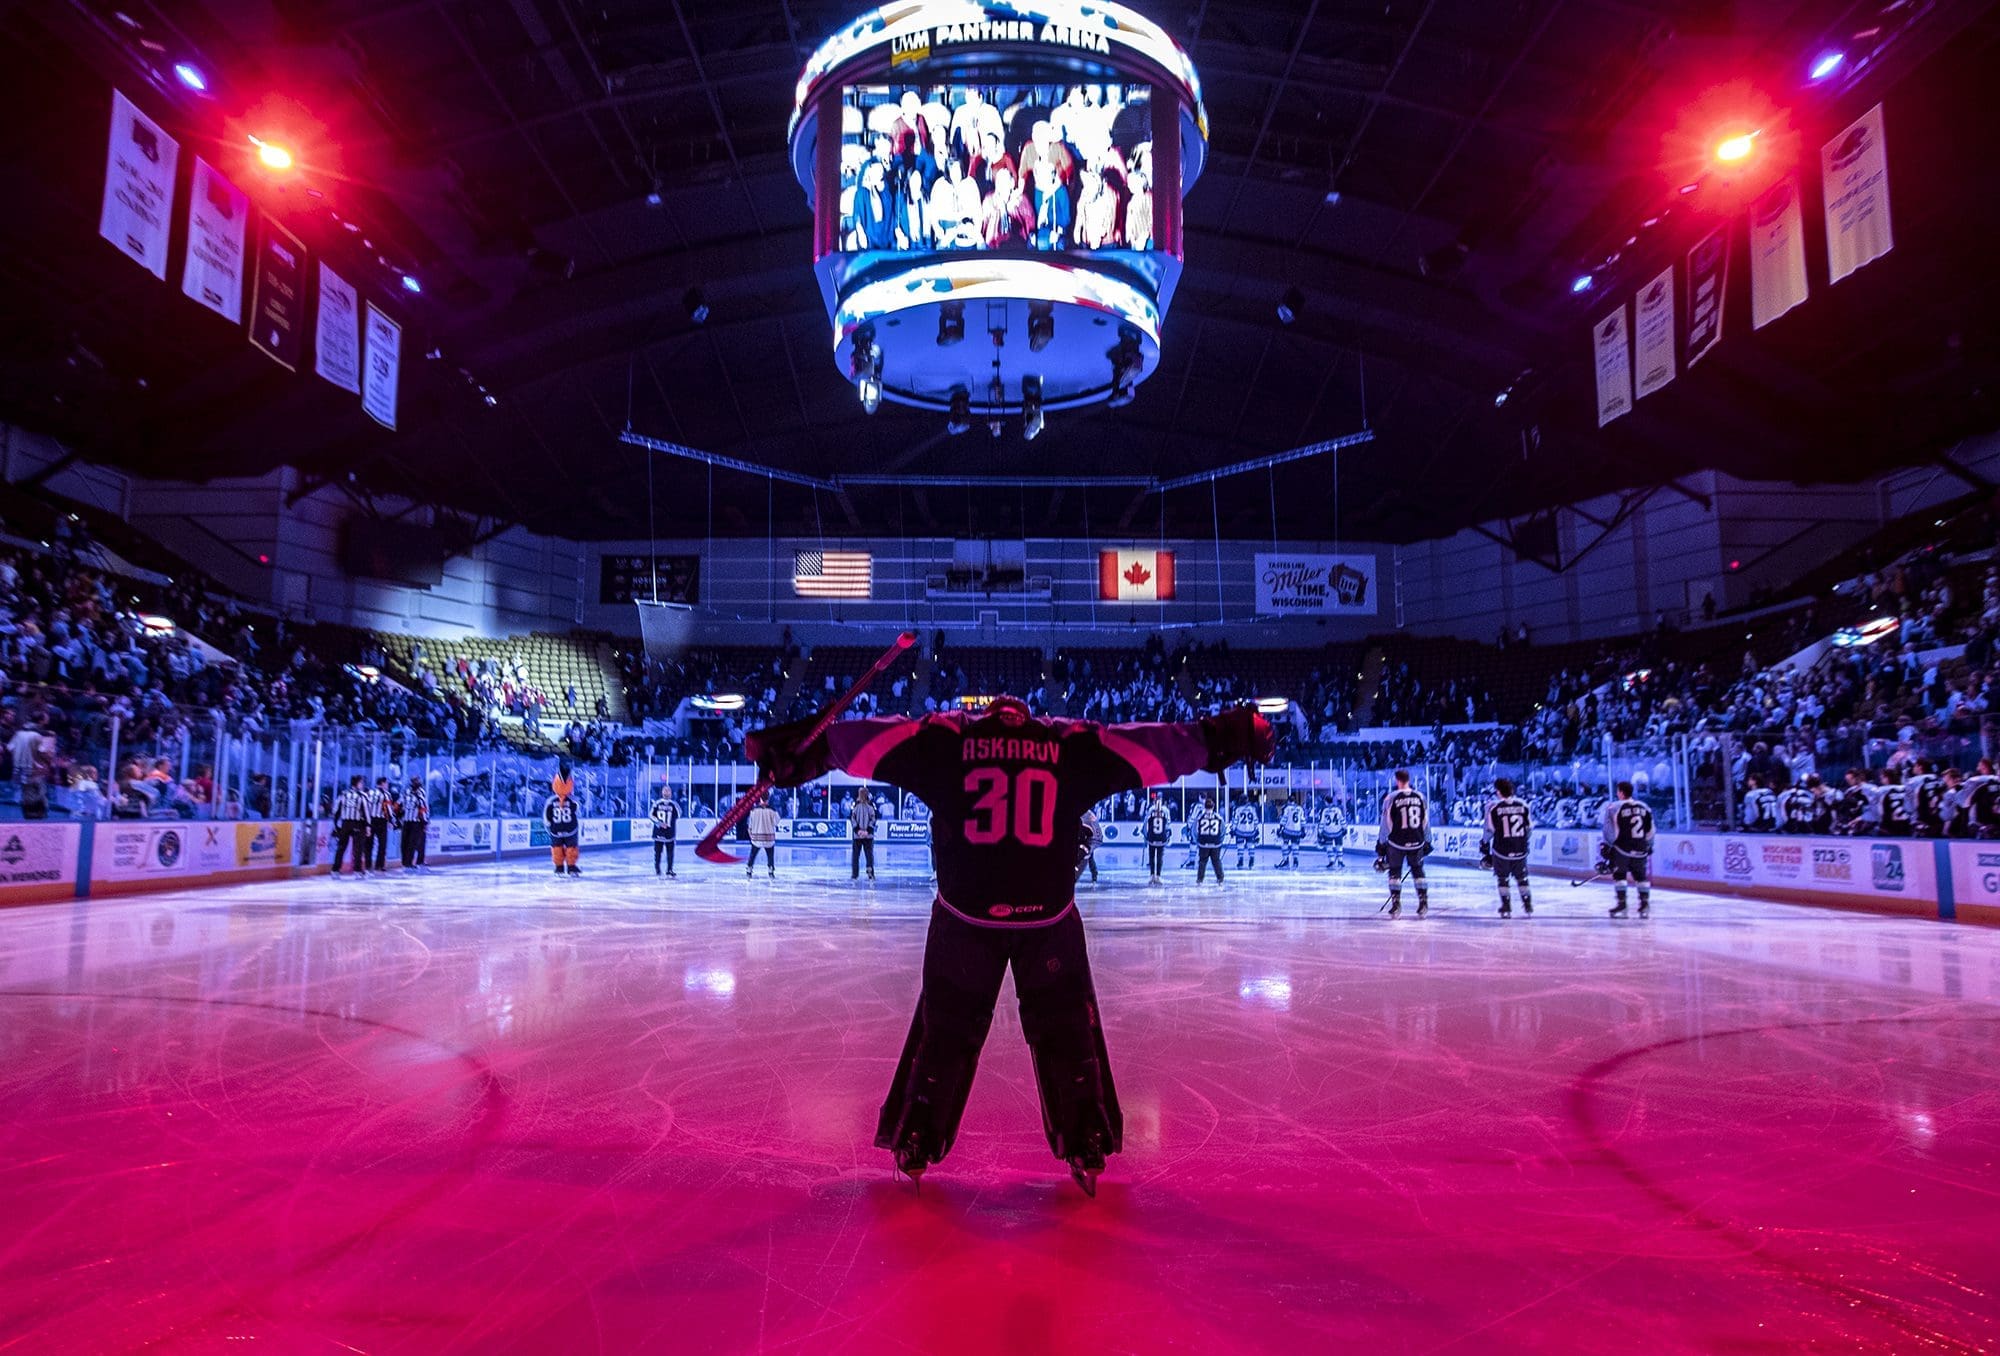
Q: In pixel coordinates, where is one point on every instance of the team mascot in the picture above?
(559, 814)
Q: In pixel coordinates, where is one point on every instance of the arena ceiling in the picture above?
(1429, 174)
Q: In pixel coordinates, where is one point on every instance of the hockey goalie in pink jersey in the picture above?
(1006, 791)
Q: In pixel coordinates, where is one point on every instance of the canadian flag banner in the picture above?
(1135, 576)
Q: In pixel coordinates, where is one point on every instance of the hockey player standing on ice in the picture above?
(666, 817)
(1403, 841)
(1088, 836)
(1291, 834)
(861, 823)
(1332, 829)
(1627, 849)
(1159, 832)
(350, 827)
(1007, 791)
(565, 825)
(763, 825)
(416, 823)
(1206, 826)
(1503, 848)
(1246, 826)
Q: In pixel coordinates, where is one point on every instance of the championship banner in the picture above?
(337, 334)
(218, 213)
(1708, 284)
(385, 356)
(1653, 327)
(1315, 585)
(138, 187)
(1135, 576)
(1855, 178)
(278, 296)
(1777, 253)
(1614, 367)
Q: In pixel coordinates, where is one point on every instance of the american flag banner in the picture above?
(834, 574)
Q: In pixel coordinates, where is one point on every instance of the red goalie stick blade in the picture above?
(710, 848)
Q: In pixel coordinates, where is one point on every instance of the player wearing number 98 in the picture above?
(1006, 791)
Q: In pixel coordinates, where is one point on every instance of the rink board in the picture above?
(41, 862)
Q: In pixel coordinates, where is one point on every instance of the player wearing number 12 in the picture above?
(1007, 792)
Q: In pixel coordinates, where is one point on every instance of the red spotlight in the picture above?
(271, 155)
(1735, 149)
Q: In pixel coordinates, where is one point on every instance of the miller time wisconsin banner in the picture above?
(138, 187)
(218, 213)
(1708, 284)
(383, 369)
(1653, 326)
(1777, 253)
(1613, 347)
(1135, 576)
(1855, 179)
(1315, 585)
(337, 334)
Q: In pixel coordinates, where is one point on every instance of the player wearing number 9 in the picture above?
(1006, 791)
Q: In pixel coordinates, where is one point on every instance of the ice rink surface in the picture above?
(486, 1110)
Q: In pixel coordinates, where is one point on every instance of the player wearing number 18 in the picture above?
(1007, 792)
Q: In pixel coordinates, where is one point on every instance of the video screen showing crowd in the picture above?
(996, 167)
(1918, 799)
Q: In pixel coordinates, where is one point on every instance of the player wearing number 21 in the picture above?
(1006, 791)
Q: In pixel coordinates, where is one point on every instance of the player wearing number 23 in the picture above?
(1006, 791)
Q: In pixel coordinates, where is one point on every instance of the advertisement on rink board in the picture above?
(459, 837)
(38, 860)
(1315, 585)
(126, 852)
(903, 831)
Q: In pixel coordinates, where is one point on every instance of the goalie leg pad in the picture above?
(963, 969)
(1080, 1111)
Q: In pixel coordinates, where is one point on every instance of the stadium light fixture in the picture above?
(271, 155)
(695, 302)
(411, 284)
(1290, 305)
(1041, 325)
(1032, 417)
(951, 324)
(190, 75)
(1582, 283)
(1825, 64)
(1734, 150)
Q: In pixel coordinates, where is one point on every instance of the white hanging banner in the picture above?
(1653, 330)
(1614, 367)
(1777, 253)
(1855, 178)
(337, 335)
(1708, 285)
(218, 215)
(139, 187)
(385, 355)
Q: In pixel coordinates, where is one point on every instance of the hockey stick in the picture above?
(1401, 876)
(710, 848)
(1591, 879)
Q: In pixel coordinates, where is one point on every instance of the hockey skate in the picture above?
(1395, 908)
(1506, 909)
(576, 871)
(911, 1159)
(559, 872)
(1645, 909)
(1423, 907)
(1618, 911)
(1527, 909)
(1086, 1165)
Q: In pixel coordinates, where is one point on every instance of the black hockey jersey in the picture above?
(1159, 825)
(1406, 819)
(559, 814)
(665, 815)
(1007, 792)
(1628, 827)
(1923, 798)
(1893, 808)
(1507, 828)
(1207, 827)
(1982, 804)
(1801, 811)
